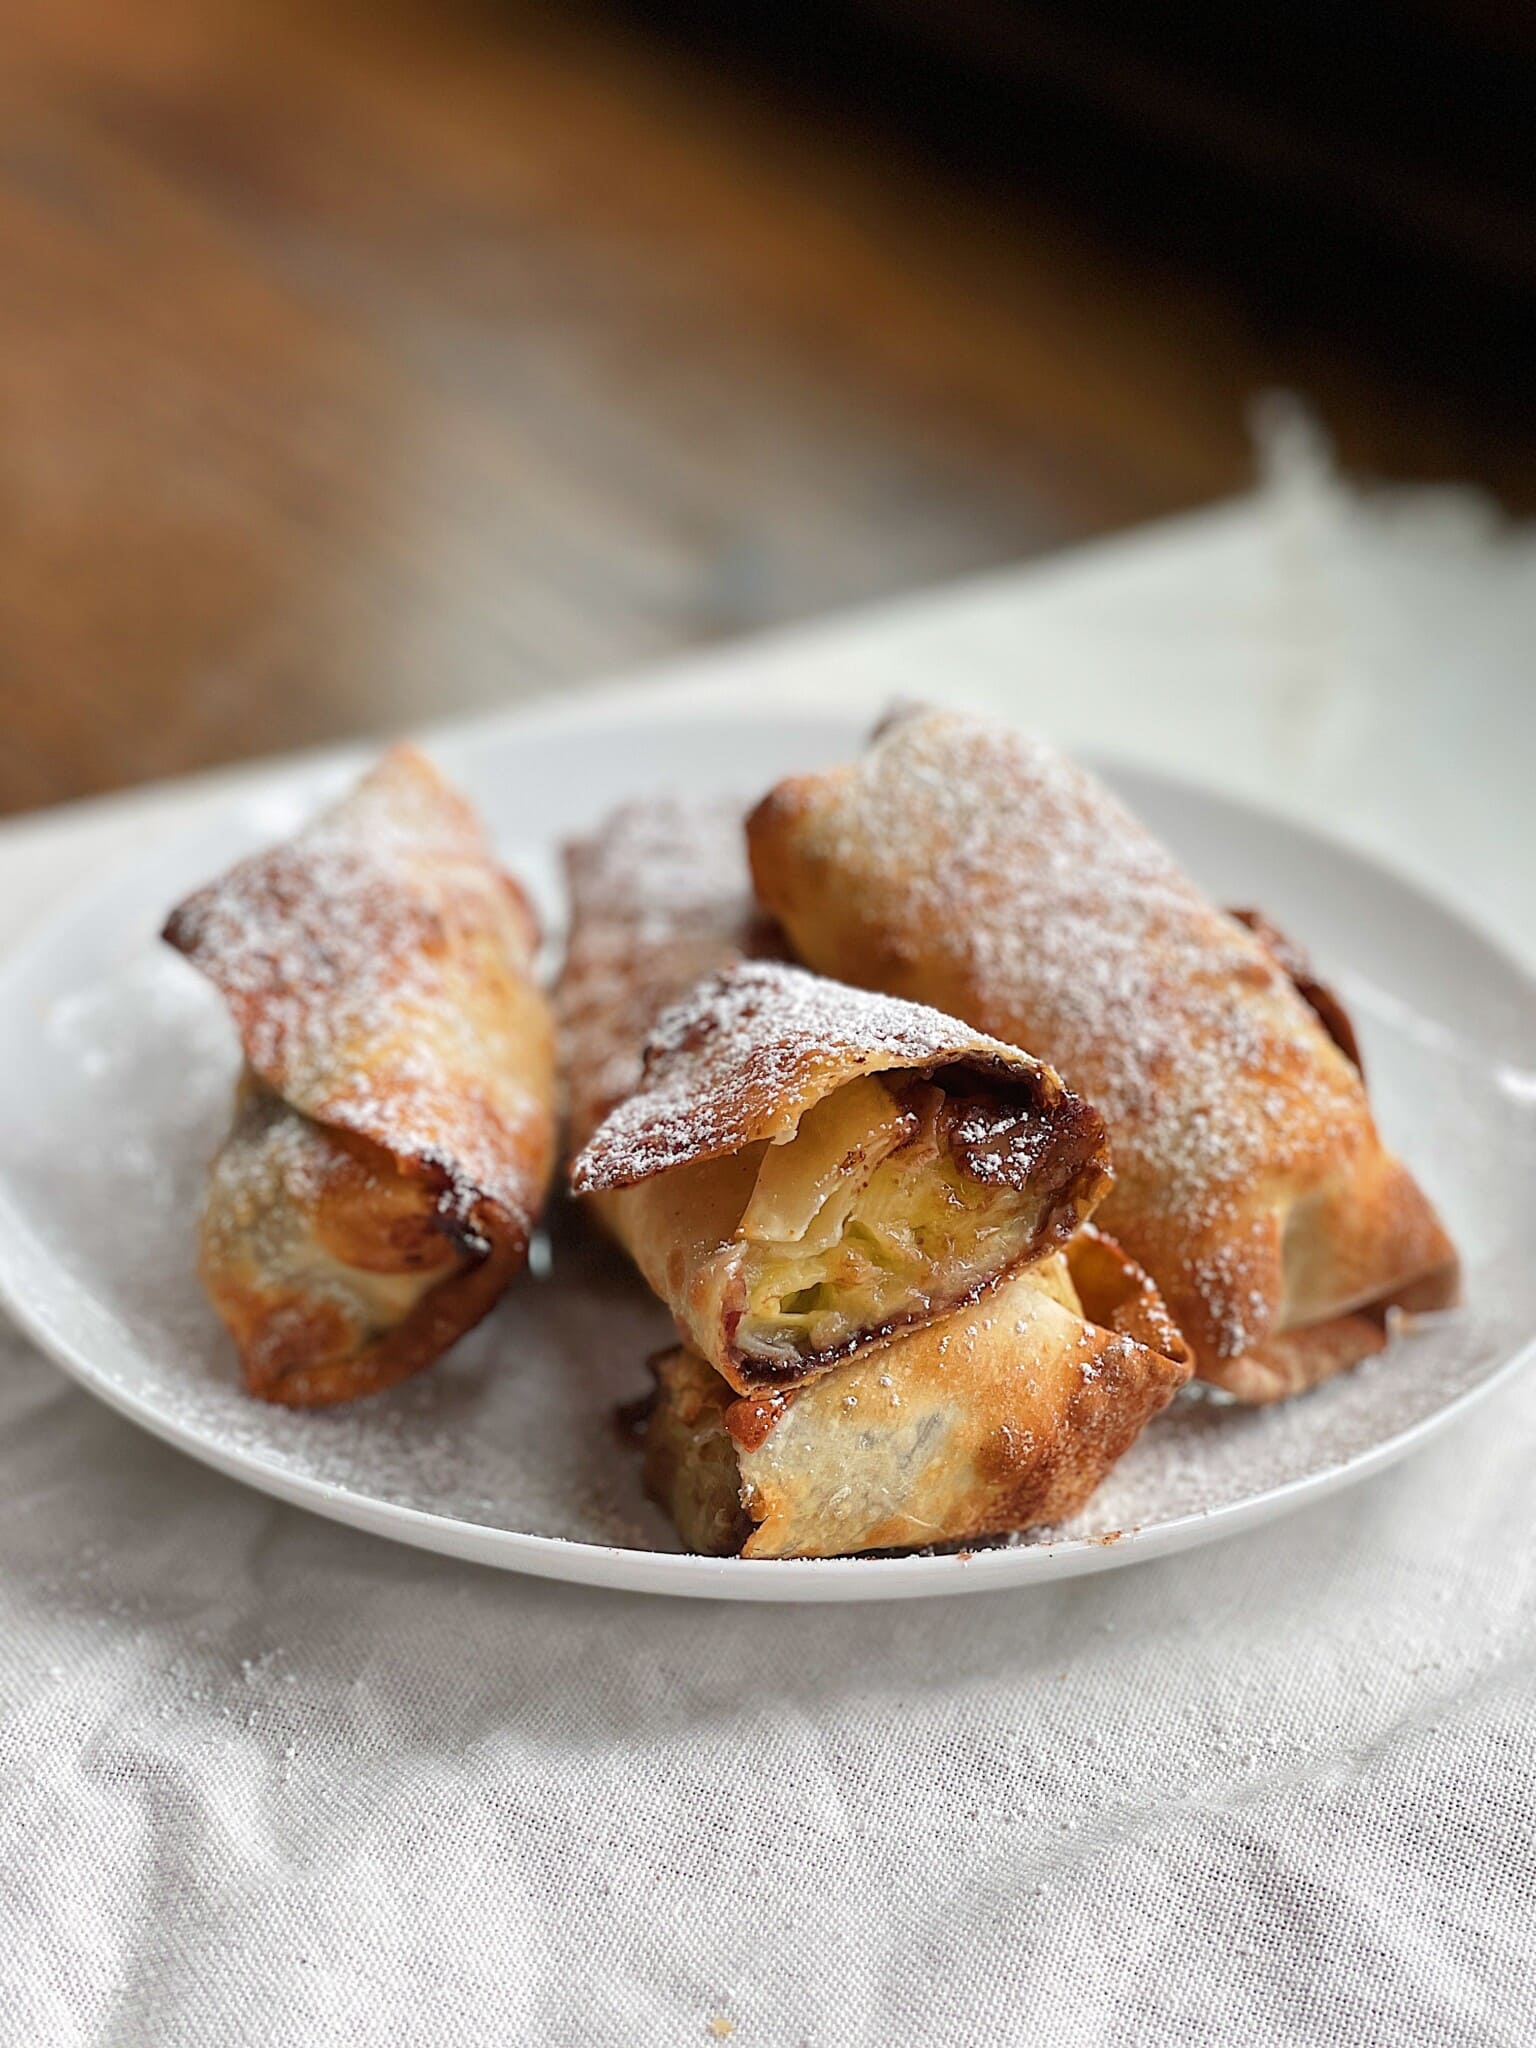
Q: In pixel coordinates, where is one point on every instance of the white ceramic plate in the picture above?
(115, 1068)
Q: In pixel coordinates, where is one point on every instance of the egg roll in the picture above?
(806, 1169)
(394, 1125)
(660, 896)
(998, 1420)
(966, 865)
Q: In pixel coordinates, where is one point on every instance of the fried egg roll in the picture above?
(962, 864)
(995, 1421)
(806, 1169)
(660, 896)
(394, 1126)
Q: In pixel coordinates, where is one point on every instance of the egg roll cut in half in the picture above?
(1003, 1418)
(394, 1124)
(660, 895)
(963, 864)
(806, 1169)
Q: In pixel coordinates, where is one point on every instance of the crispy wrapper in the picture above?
(806, 1169)
(394, 1128)
(660, 896)
(1000, 1419)
(963, 864)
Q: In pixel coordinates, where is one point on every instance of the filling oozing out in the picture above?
(891, 1202)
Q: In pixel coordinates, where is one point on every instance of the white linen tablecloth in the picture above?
(264, 1780)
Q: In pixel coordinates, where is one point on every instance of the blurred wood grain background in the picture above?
(361, 363)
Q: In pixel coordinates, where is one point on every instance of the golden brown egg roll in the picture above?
(1000, 1419)
(659, 897)
(806, 1168)
(395, 1123)
(963, 864)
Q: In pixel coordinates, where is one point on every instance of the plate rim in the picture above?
(682, 1573)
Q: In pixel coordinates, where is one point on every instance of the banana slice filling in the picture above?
(887, 1204)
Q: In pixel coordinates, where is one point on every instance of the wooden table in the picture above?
(362, 362)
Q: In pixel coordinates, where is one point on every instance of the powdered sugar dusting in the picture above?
(116, 1094)
(323, 936)
(377, 966)
(1000, 1154)
(660, 897)
(754, 1037)
(1049, 916)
